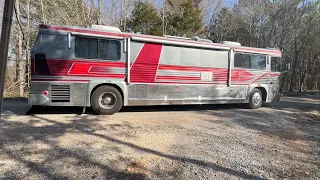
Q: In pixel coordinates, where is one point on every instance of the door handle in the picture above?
(267, 75)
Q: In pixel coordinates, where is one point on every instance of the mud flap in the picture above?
(276, 97)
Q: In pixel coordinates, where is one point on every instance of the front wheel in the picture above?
(255, 99)
(106, 100)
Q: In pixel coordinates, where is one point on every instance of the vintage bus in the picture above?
(104, 68)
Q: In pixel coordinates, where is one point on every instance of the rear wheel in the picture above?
(255, 99)
(106, 100)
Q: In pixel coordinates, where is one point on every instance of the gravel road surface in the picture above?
(280, 141)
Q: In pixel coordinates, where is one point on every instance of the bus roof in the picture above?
(156, 39)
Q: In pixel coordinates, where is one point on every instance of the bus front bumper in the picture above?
(37, 99)
(276, 97)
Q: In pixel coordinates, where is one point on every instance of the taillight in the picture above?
(45, 93)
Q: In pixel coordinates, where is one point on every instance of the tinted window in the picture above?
(275, 64)
(242, 60)
(87, 48)
(109, 49)
(97, 48)
(252, 61)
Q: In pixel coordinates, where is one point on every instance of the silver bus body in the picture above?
(147, 70)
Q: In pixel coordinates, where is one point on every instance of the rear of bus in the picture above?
(67, 63)
(48, 48)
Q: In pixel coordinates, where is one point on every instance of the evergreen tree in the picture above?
(183, 17)
(144, 19)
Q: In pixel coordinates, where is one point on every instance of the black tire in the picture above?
(255, 99)
(106, 100)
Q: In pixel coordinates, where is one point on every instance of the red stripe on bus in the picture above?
(267, 74)
(238, 75)
(60, 67)
(144, 68)
(177, 78)
(61, 80)
(190, 68)
(98, 75)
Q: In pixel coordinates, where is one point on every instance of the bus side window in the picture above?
(275, 64)
(258, 61)
(242, 60)
(92, 48)
(109, 49)
(250, 61)
(86, 48)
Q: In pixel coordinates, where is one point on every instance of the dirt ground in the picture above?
(280, 141)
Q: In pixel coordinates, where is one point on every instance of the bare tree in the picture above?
(210, 8)
(20, 64)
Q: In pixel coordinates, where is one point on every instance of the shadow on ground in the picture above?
(16, 136)
(303, 103)
(287, 103)
(78, 110)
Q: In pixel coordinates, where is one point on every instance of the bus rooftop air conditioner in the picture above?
(230, 43)
(106, 28)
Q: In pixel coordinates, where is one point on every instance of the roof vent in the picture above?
(176, 37)
(230, 43)
(106, 28)
(196, 38)
(277, 49)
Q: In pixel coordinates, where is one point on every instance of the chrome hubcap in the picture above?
(256, 98)
(107, 100)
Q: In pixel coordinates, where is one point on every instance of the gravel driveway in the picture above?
(280, 141)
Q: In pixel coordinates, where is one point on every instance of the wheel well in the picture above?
(107, 84)
(264, 93)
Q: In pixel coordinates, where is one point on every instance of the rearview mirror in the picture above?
(287, 68)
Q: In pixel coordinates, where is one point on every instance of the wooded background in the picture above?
(290, 25)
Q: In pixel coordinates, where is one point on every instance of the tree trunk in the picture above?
(300, 85)
(20, 67)
(28, 63)
(163, 18)
(99, 13)
(114, 13)
(121, 14)
(44, 19)
(291, 84)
